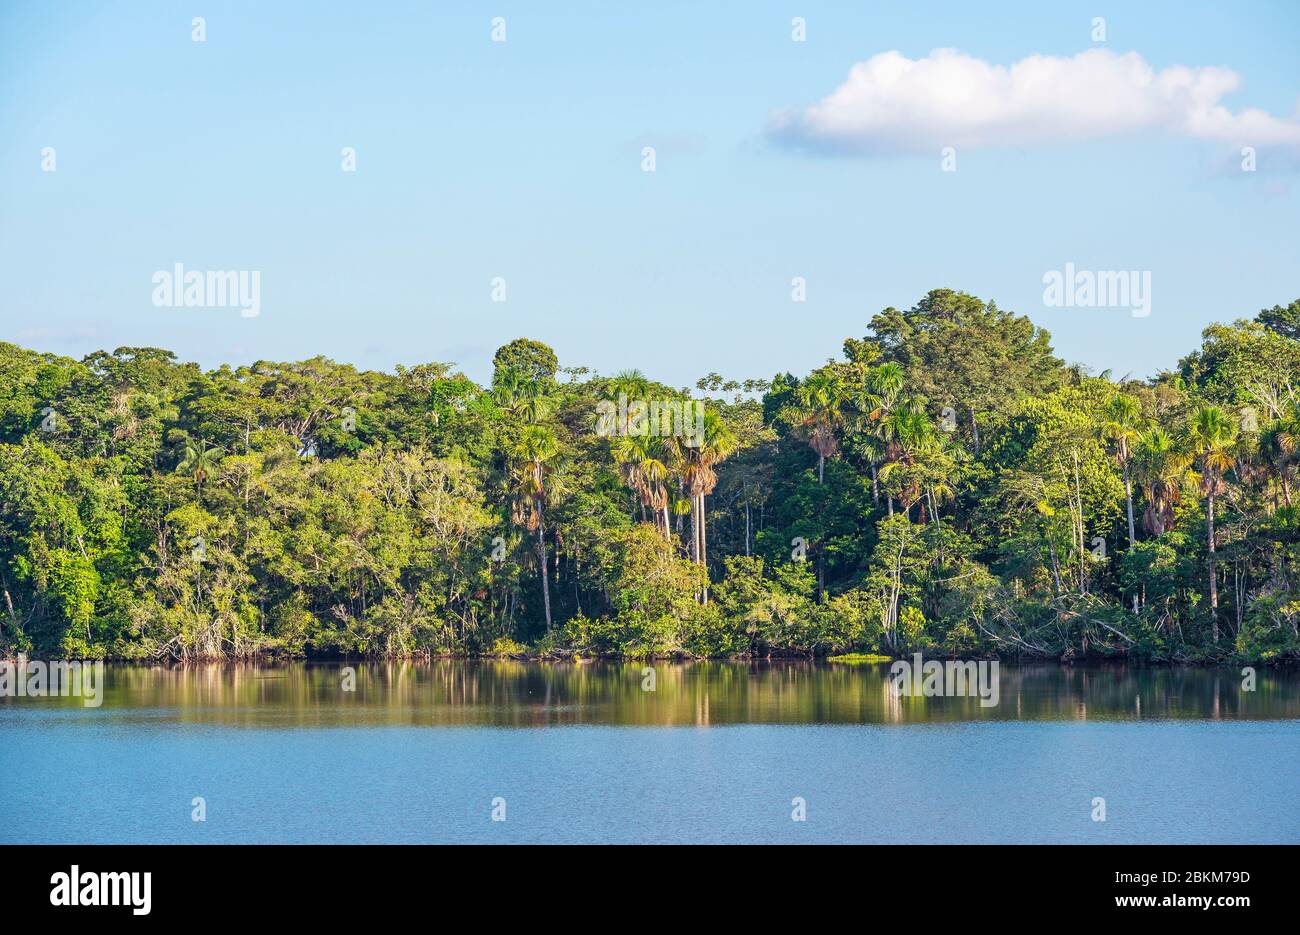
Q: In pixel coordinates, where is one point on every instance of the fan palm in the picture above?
(199, 461)
(1210, 436)
(1159, 466)
(526, 399)
(698, 463)
(644, 463)
(1122, 428)
(821, 400)
(874, 402)
(908, 433)
(631, 385)
(1279, 449)
(534, 451)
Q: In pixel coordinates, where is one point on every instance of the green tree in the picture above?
(530, 361)
(535, 451)
(969, 355)
(1122, 428)
(1210, 435)
(199, 460)
(1160, 465)
(821, 400)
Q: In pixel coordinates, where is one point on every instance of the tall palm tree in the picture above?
(644, 461)
(534, 451)
(909, 434)
(1279, 449)
(631, 385)
(199, 461)
(887, 381)
(942, 461)
(821, 400)
(1122, 428)
(1159, 465)
(875, 400)
(526, 399)
(697, 463)
(1210, 436)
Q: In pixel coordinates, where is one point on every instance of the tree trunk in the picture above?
(693, 552)
(546, 581)
(1214, 587)
(703, 537)
(13, 617)
(1132, 529)
(704, 549)
(1083, 549)
(875, 484)
(821, 565)
(1128, 493)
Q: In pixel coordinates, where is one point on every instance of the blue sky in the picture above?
(522, 160)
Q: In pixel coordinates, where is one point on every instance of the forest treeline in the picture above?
(947, 485)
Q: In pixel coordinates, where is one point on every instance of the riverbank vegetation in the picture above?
(945, 485)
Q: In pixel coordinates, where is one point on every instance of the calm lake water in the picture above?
(717, 752)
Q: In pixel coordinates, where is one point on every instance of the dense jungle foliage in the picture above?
(948, 486)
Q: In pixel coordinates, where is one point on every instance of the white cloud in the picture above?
(891, 104)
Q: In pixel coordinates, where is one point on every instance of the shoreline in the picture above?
(571, 658)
